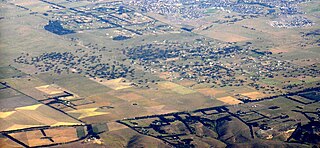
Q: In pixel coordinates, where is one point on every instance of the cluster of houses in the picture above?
(87, 64)
(193, 9)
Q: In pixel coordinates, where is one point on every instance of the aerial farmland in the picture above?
(151, 73)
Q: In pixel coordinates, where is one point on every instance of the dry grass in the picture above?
(186, 83)
(226, 37)
(34, 116)
(19, 126)
(50, 89)
(159, 109)
(88, 112)
(62, 135)
(6, 114)
(31, 138)
(130, 97)
(26, 2)
(168, 75)
(278, 50)
(31, 107)
(7, 143)
(34, 138)
(254, 95)
(115, 84)
(175, 87)
(230, 100)
(113, 126)
(210, 91)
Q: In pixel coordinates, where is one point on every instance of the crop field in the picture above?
(20, 111)
(46, 137)
(210, 91)
(9, 72)
(88, 112)
(229, 100)
(79, 85)
(114, 126)
(253, 95)
(116, 84)
(130, 97)
(175, 87)
(50, 89)
(34, 116)
(5, 142)
(149, 73)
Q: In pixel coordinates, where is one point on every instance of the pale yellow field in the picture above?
(254, 95)
(34, 116)
(26, 2)
(230, 100)
(88, 112)
(210, 91)
(31, 107)
(175, 87)
(50, 89)
(115, 84)
(6, 114)
(20, 126)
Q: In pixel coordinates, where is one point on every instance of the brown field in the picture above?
(127, 137)
(113, 126)
(101, 100)
(31, 138)
(146, 103)
(27, 85)
(168, 76)
(34, 138)
(34, 116)
(159, 109)
(7, 143)
(130, 97)
(254, 95)
(278, 50)
(186, 83)
(62, 135)
(225, 36)
(230, 100)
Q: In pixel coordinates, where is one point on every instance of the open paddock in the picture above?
(47, 137)
(113, 126)
(50, 89)
(175, 87)
(115, 84)
(254, 95)
(230, 100)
